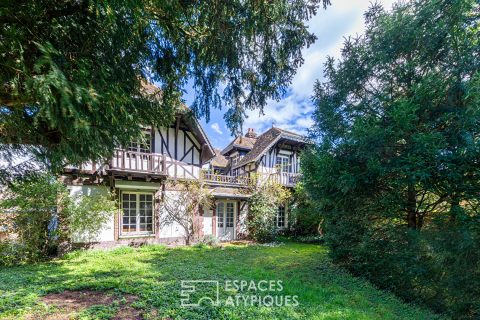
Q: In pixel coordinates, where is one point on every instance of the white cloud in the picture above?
(342, 19)
(215, 126)
(291, 113)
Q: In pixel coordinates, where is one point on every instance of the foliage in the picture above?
(88, 214)
(304, 217)
(31, 205)
(41, 216)
(396, 171)
(262, 210)
(307, 238)
(73, 72)
(154, 273)
(182, 207)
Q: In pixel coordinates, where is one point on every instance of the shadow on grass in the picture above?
(154, 274)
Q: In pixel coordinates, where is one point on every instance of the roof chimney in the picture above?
(251, 133)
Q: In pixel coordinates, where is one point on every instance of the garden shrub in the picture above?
(304, 217)
(262, 209)
(42, 218)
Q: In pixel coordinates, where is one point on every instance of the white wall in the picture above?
(171, 229)
(207, 221)
(242, 218)
(107, 231)
(188, 157)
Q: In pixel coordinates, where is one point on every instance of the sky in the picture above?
(342, 19)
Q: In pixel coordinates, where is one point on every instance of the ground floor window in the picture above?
(280, 219)
(137, 213)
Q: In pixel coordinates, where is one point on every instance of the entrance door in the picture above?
(226, 220)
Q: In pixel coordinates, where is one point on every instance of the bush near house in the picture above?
(262, 210)
(305, 222)
(41, 218)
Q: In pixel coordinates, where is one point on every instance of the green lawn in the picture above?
(153, 274)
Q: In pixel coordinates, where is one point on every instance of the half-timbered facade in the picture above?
(147, 171)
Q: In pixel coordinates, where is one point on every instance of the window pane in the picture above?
(129, 213)
(230, 215)
(220, 221)
(145, 213)
(220, 214)
(280, 219)
(133, 213)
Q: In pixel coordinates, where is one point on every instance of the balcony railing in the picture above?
(158, 164)
(285, 178)
(125, 160)
(222, 179)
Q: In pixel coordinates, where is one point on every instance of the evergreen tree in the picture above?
(72, 71)
(397, 168)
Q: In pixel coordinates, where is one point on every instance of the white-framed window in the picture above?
(284, 164)
(137, 213)
(280, 219)
(230, 215)
(220, 211)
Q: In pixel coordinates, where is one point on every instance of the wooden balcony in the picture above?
(138, 162)
(286, 179)
(154, 165)
(220, 179)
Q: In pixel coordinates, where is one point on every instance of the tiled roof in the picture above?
(241, 142)
(222, 192)
(265, 141)
(219, 160)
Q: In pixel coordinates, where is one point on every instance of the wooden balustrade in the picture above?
(285, 178)
(126, 160)
(226, 180)
(154, 163)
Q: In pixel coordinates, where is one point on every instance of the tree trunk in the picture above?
(411, 207)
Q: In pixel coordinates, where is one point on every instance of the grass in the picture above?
(154, 274)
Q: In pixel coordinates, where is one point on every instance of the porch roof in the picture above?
(233, 193)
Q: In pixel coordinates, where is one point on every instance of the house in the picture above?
(146, 172)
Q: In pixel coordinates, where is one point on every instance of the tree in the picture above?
(74, 73)
(263, 205)
(41, 218)
(304, 218)
(182, 207)
(396, 171)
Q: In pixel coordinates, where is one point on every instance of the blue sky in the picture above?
(342, 19)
